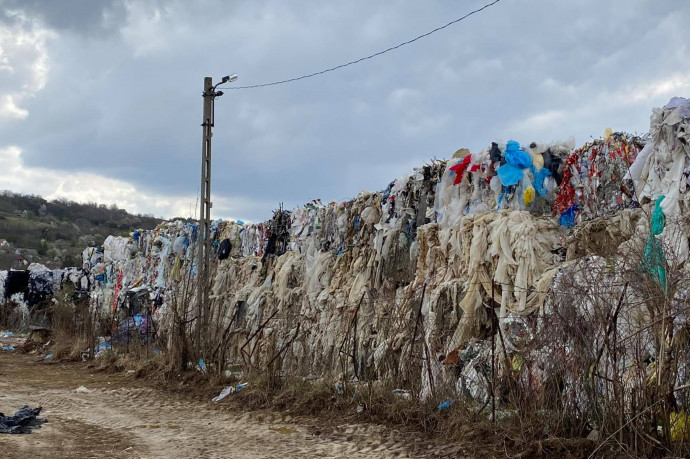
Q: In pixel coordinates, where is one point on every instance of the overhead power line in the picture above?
(290, 80)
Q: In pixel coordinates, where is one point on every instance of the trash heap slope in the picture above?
(392, 284)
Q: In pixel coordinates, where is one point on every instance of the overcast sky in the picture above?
(101, 100)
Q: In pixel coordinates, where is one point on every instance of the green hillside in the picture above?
(55, 232)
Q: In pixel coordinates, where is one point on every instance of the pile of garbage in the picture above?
(25, 295)
(428, 274)
(492, 227)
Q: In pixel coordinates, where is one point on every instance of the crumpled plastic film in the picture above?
(461, 232)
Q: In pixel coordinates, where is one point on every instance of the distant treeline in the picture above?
(57, 231)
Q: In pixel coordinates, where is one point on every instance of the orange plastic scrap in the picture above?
(453, 358)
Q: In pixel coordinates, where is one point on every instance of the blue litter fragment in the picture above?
(567, 218)
(103, 347)
(445, 405)
(49, 356)
(517, 157)
(516, 161)
(8, 348)
(539, 178)
(229, 390)
(509, 174)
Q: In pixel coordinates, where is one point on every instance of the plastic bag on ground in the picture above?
(224, 393)
(22, 422)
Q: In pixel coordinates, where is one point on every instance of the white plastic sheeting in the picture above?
(117, 248)
(357, 268)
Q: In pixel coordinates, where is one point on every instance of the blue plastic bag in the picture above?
(568, 217)
(517, 157)
(516, 160)
(445, 405)
(539, 178)
(509, 174)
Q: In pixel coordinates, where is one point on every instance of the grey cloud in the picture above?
(129, 106)
(85, 17)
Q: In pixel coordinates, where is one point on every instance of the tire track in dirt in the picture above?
(119, 419)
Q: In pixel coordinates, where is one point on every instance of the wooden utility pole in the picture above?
(204, 237)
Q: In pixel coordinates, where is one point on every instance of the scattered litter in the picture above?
(224, 393)
(8, 348)
(48, 357)
(228, 390)
(481, 226)
(6, 334)
(22, 422)
(82, 390)
(339, 387)
(406, 394)
(102, 348)
(445, 405)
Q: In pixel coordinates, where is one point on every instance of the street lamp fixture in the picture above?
(228, 79)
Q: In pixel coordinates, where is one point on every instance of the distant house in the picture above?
(4, 244)
(20, 262)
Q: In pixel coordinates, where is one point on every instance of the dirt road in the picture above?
(122, 418)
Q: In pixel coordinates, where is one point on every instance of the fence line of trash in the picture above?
(423, 276)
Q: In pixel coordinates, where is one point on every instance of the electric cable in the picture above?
(392, 48)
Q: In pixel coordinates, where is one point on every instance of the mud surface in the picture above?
(121, 417)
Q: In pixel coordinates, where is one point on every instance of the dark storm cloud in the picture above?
(87, 17)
